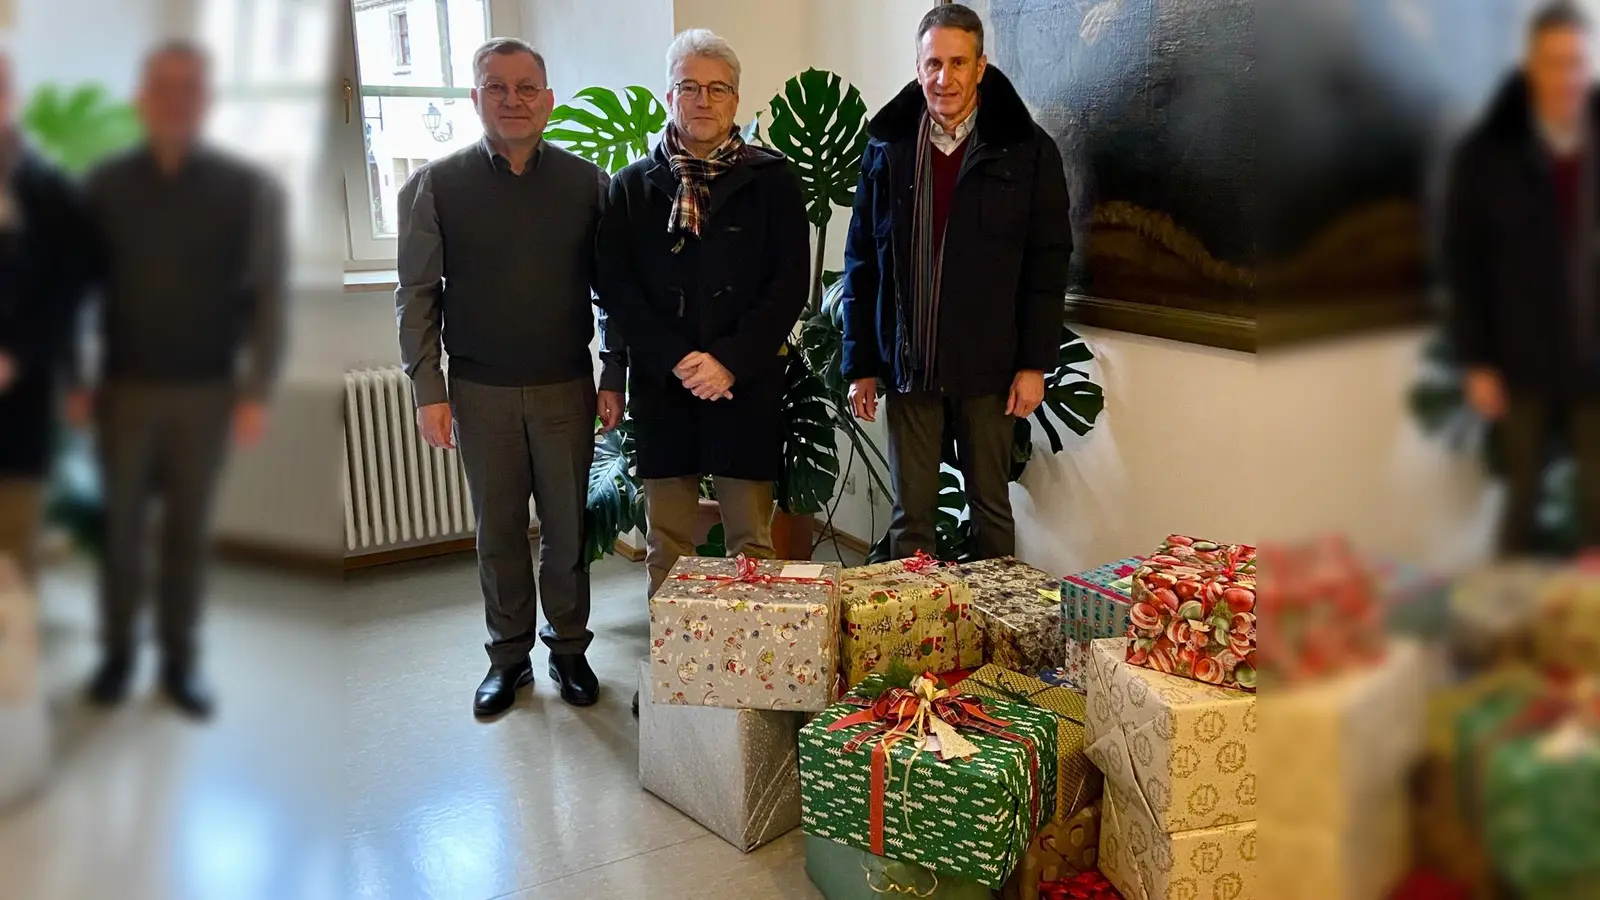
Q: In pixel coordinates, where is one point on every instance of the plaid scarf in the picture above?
(926, 273)
(692, 205)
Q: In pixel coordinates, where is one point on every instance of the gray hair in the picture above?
(505, 46)
(952, 15)
(181, 48)
(700, 42)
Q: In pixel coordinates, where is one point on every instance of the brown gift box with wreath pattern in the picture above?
(1018, 609)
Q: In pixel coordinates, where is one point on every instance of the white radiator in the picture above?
(398, 491)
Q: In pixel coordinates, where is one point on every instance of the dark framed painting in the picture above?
(1245, 174)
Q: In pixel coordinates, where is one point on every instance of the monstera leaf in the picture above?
(615, 504)
(810, 449)
(78, 128)
(952, 523)
(820, 123)
(1069, 395)
(716, 545)
(609, 133)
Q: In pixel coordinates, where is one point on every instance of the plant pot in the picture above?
(792, 536)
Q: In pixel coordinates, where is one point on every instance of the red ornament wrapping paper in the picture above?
(1193, 612)
(1319, 612)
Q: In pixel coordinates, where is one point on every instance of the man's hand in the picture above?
(1027, 392)
(610, 405)
(437, 425)
(249, 423)
(1486, 393)
(8, 373)
(80, 407)
(864, 399)
(704, 377)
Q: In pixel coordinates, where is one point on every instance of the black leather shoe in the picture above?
(499, 688)
(578, 685)
(187, 692)
(636, 704)
(109, 686)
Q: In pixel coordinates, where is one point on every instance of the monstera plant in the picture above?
(77, 128)
(1440, 407)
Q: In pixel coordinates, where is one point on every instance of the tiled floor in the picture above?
(542, 803)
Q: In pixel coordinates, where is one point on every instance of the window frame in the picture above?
(400, 40)
(365, 252)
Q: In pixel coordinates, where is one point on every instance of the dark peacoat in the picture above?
(1007, 247)
(44, 269)
(735, 292)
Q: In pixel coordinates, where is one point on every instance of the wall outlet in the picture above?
(850, 483)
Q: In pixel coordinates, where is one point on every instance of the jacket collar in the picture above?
(1510, 117)
(1005, 121)
(660, 173)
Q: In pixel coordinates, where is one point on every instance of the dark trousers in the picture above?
(1527, 432)
(516, 443)
(984, 435)
(161, 446)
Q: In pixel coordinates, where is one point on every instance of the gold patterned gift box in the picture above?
(1566, 633)
(1078, 782)
(1018, 609)
(1193, 745)
(1363, 858)
(1330, 751)
(735, 771)
(1060, 850)
(19, 638)
(746, 634)
(909, 611)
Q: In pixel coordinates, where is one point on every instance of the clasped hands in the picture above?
(704, 377)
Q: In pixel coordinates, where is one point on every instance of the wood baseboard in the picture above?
(629, 552)
(423, 551)
(297, 560)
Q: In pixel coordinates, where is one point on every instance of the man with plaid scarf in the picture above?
(704, 258)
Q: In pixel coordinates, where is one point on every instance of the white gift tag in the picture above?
(802, 572)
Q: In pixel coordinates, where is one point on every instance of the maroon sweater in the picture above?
(946, 169)
(1567, 171)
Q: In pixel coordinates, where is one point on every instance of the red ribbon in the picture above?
(1086, 886)
(893, 716)
(748, 571)
(921, 563)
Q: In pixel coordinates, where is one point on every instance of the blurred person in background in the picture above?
(955, 279)
(191, 248)
(1520, 253)
(43, 268)
(496, 262)
(705, 261)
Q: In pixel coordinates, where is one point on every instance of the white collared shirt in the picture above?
(946, 142)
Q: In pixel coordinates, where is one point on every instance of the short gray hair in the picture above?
(505, 46)
(700, 42)
(952, 15)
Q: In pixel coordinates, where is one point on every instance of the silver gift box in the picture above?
(735, 771)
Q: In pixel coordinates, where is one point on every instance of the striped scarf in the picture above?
(692, 205)
(926, 273)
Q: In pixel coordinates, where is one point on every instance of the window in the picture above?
(407, 64)
(400, 32)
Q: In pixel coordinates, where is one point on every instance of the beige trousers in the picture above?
(672, 507)
(21, 505)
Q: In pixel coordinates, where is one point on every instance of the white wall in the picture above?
(609, 44)
(108, 38)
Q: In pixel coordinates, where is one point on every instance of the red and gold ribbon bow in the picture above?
(748, 571)
(915, 713)
(1085, 886)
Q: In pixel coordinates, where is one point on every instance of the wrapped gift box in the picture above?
(1415, 601)
(1566, 632)
(1318, 612)
(19, 637)
(1193, 745)
(1528, 764)
(1018, 609)
(1091, 885)
(1146, 861)
(842, 872)
(1094, 605)
(1059, 851)
(735, 771)
(1195, 616)
(1331, 751)
(747, 634)
(1362, 858)
(1492, 613)
(912, 611)
(971, 818)
(1077, 781)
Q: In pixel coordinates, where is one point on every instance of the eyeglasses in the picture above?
(498, 91)
(716, 90)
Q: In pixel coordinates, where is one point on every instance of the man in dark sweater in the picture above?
(955, 279)
(496, 256)
(191, 245)
(1519, 253)
(42, 272)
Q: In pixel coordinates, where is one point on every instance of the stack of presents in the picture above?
(994, 730)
